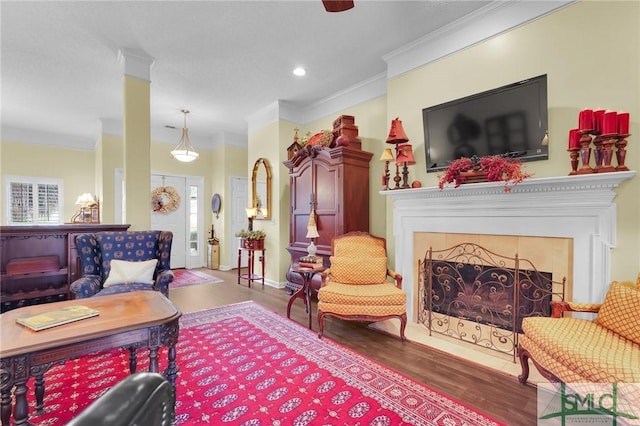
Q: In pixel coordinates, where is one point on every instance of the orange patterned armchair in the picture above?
(355, 287)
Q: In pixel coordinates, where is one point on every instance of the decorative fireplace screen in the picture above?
(475, 295)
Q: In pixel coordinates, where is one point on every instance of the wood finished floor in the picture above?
(497, 395)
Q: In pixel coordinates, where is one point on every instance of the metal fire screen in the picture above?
(475, 295)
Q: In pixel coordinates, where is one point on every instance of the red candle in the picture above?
(585, 119)
(597, 120)
(623, 123)
(609, 123)
(574, 139)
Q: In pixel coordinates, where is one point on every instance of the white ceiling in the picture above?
(223, 60)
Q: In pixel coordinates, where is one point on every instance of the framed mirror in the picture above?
(261, 188)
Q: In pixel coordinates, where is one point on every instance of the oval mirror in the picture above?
(261, 188)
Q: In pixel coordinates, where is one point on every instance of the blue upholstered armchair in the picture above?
(98, 250)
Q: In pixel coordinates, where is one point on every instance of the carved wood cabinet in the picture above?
(38, 263)
(334, 181)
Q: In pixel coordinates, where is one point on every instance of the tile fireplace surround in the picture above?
(579, 207)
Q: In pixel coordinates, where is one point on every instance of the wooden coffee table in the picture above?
(140, 319)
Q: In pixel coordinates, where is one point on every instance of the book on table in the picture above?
(311, 262)
(57, 317)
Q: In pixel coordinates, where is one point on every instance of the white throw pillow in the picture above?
(125, 272)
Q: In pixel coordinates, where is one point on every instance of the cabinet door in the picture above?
(328, 203)
(300, 194)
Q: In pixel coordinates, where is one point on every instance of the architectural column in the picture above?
(136, 134)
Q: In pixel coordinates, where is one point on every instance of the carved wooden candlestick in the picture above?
(574, 153)
(621, 152)
(598, 155)
(607, 154)
(585, 152)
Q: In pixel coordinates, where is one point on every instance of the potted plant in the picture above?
(252, 239)
(491, 168)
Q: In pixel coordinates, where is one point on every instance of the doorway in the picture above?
(185, 220)
(239, 221)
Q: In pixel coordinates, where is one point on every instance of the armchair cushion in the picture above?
(620, 311)
(351, 270)
(360, 295)
(129, 272)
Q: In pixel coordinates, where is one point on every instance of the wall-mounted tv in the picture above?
(510, 120)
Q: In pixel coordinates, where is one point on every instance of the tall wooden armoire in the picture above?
(334, 181)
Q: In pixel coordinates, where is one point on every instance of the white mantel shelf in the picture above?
(599, 182)
(580, 207)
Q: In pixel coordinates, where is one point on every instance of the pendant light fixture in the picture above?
(184, 151)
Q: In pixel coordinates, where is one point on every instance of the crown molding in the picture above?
(37, 137)
(491, 20)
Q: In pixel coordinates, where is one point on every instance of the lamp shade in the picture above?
(85, 200)
(396, 133)
(387, 155)
(251, 212)
(405, 155)
(312, 232)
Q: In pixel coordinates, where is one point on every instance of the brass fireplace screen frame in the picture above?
(481, 297)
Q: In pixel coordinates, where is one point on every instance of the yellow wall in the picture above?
(578, 57)
(262, 144)
(75, 167)
(82, 170)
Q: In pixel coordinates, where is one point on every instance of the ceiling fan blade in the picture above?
(337, 5)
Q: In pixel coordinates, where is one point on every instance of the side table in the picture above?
(305, 291)
(250, 276)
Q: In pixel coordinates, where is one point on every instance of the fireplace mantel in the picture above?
(580, 207)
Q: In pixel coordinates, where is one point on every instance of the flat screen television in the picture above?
(509, 120)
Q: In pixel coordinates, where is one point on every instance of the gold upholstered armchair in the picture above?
(355, 287)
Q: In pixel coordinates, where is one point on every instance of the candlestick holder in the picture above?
(597, 153)
(621, 152)
(607, 153)
(585, 152)
(574, 153)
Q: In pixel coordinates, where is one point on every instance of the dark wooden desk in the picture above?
(141, 319)
(305, 291)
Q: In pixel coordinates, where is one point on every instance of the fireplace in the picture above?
(579, 209)
(470, 293)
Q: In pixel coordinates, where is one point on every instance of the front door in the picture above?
(173, 220)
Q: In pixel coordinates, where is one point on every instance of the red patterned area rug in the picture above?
(242, 364)
(187, 277)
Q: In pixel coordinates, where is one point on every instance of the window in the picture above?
(33, 201)
(193, 220)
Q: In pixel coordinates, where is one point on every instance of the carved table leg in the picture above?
(21, 408)
(39, 391)
(133, 360)
(153, 360)
(5, 410)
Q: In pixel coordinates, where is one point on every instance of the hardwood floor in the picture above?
(497, 395)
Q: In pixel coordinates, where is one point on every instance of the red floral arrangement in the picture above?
(495, 167)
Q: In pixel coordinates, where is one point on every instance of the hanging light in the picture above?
(184, 151)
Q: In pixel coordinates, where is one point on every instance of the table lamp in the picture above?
(386, 158)
(405, 157)
(312, 232)
(397, 136)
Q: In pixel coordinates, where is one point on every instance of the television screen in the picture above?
(510, 120)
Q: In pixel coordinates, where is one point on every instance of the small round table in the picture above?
(305, 291)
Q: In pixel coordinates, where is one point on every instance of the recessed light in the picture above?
(299, 71)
